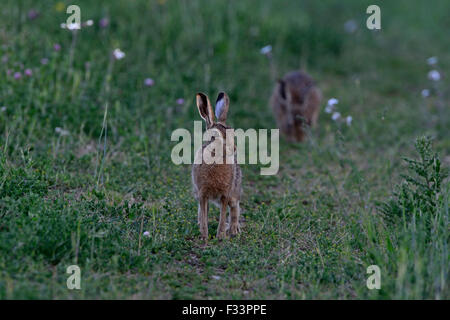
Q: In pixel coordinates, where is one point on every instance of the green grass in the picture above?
(309, 232)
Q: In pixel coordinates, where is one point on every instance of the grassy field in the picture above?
(85, 149)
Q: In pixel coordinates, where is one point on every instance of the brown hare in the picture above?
(295, 103)
(218, 182)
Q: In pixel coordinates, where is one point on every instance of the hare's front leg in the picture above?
(221, 229)
(234, 213)
(203, 217)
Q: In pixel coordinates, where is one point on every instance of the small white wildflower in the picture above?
(3, 109)
(216, 277)
(349, 120)
(266, 50)
(118, 54)
(432, 60)
(335, 116)
(434, 75)
(329, 108)
(333, 101)
(61, 132)
(330, 105)
(89, 23)
(350, 26)
(73, 26)
(425, 93)
(148, 82)
(146, 234)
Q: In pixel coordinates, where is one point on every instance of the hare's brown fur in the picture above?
(220, 183)
(295, 103)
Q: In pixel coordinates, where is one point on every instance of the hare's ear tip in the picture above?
(222, 95)
(200, 96)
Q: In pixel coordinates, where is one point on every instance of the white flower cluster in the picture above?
(433, 75)
(71, 26)
(266, 50)
(76, 26)
(335, 115)
(425, 93)
(432, 61)
(61, 132)
(118, 54)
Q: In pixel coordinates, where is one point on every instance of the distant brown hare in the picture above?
(295, 103)
(219, 182)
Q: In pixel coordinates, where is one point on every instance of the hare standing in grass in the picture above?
(219, 182)
(295, 103)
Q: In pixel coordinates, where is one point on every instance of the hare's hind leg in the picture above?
(234, 213)
(221, 229)
(203, 217)
(313, 105)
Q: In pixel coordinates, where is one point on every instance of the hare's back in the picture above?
(298, 79)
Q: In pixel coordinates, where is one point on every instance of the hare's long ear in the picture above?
(205, 109)
(222, 104)
(282, 88)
